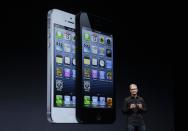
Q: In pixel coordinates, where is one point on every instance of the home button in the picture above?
(99, 116)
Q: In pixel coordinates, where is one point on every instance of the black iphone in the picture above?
(95, 74)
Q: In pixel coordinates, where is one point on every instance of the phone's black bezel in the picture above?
(91, 115)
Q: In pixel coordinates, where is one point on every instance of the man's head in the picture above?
(133, 89)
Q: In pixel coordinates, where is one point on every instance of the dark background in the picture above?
(143, 56)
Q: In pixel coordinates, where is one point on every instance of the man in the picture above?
(134, 106)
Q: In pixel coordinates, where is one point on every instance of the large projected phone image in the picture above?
(95, 80)
(61, 72)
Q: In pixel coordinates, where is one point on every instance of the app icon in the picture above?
(59, 71)
(59, 46)
(87, 100)
(101, 51)
(108, 52)
(94, 100)
(59, 59)
(59, 35)
(87, 36)
(101, 39)
(94, 74)
(87, 86)
(67, 36)
(94, 49)
(109, 101)
(87, 72)
(102, 75)
(108, 64)
(67, 60)
(102, 101)
(58, 100)
(102, 63)
(74, 61)
(86, 47)
(67, 47)
(73, 74)
(86, 60)
(67, 72)
(94, 62)
(66, 100)
(108, 41)
(59, 85)
(73, 100)
(109, 75)
(94, 37)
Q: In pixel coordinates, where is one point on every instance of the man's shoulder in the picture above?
(139, 97)
(127, 98)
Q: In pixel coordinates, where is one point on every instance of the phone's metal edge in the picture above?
(78, 67)
(49, 66)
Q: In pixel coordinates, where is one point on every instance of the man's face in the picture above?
(133, 89)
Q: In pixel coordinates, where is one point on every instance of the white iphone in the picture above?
(61, 64)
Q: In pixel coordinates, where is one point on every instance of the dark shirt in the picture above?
(135, 115)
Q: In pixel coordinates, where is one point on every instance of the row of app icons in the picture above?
(97, 62)
(97, 50)
(65, 35)
(97, 101)
(66, 72)
(87, 86)
(97, 38)
(65, 59)
(66, 47)
(97, 74)
(66, 100)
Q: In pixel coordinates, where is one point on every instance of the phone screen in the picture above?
(97, 68)
(64, 67)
